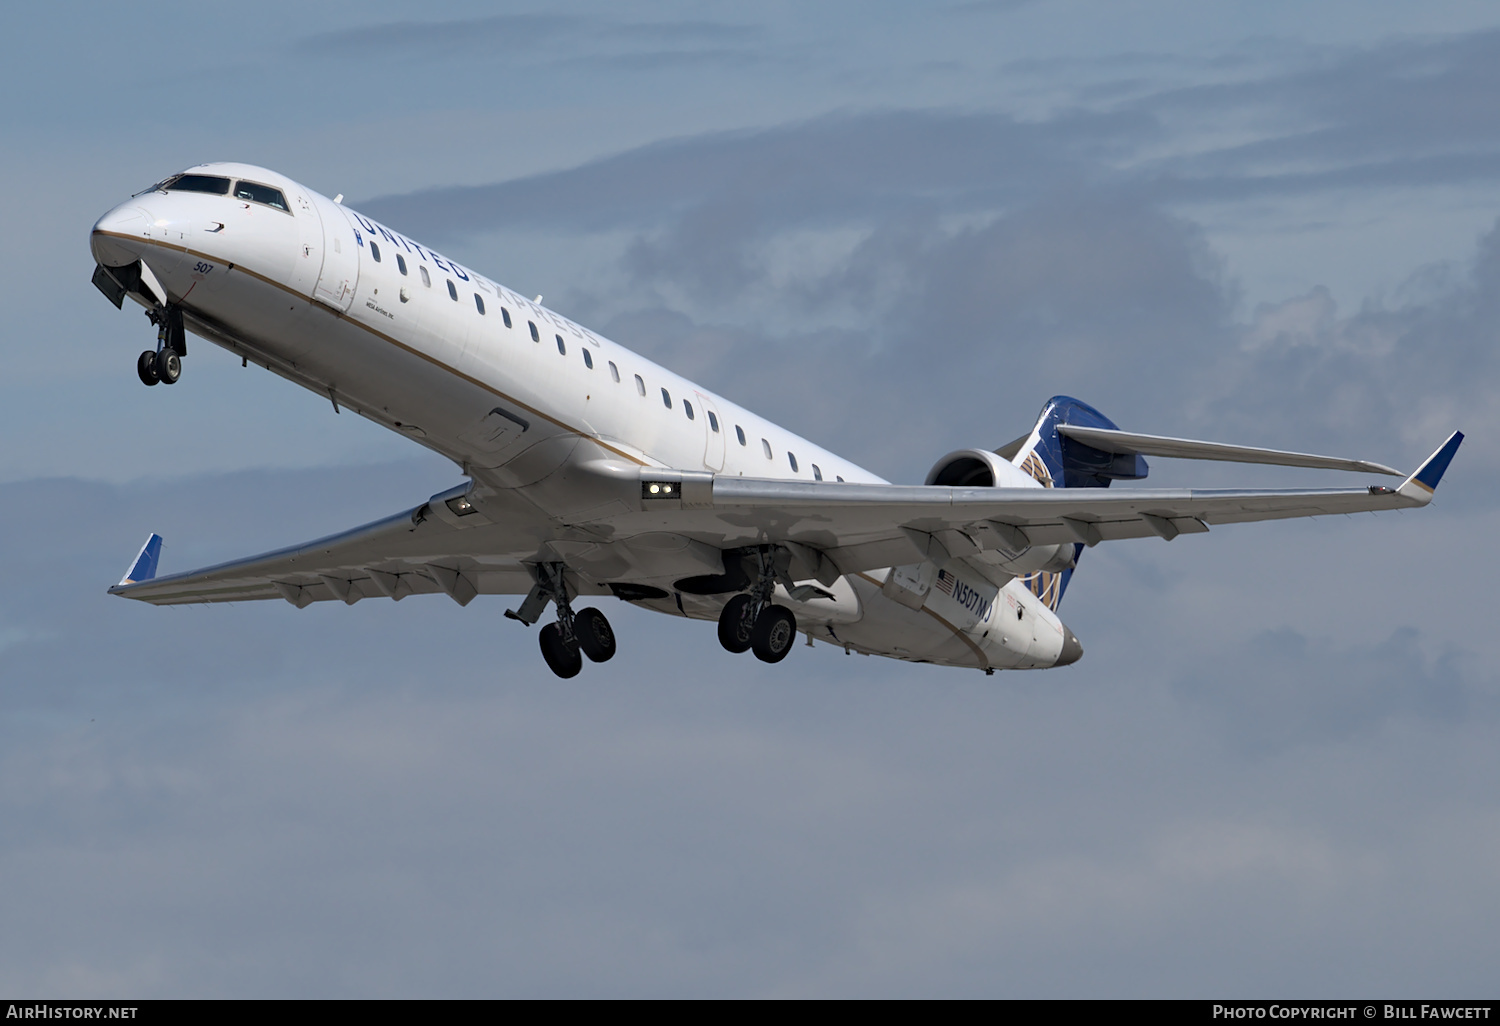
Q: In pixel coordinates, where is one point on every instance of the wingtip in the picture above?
(144, 566)
(1424, 481)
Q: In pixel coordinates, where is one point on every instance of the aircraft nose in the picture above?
(1072, 649)
(114, 237)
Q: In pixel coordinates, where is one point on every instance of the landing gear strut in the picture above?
(750, 621)
(574, 635)
(164, 363)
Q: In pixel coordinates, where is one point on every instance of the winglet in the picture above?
(144, 567)
(1424, 482)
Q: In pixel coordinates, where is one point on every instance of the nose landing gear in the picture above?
(164, 363)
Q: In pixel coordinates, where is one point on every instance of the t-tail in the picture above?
(1057, 461)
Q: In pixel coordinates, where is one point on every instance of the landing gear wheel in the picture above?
(146, 368)
(168, 366)
(775, 631)
(735, 624)
(562, 658)
(595, 636)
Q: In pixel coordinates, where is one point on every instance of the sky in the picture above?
(895, 229)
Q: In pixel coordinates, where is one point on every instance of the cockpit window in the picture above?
(258, 194)
(196, 183)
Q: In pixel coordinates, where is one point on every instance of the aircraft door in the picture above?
(309, 244)
(713, 448)
(342, 242)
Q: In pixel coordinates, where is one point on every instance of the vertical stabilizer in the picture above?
(1057, 461)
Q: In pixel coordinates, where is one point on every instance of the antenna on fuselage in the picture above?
(538, 299)
(339, 198)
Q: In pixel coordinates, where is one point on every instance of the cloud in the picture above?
(528, 38)
(1307, 691)
(822, 171)
(1398, 115)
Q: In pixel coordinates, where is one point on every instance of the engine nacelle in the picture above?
(977, 468)
(980, 468)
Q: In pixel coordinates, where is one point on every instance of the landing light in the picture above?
(657, 489)
(460, 506)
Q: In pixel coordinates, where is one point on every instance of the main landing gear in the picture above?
(750, 621)
(164, 363)
(573, 635)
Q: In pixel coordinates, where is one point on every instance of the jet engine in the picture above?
(1001, 545)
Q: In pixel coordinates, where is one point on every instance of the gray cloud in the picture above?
(428, 39)
(1307, 691)
(822, 171)
(1406, 113)
(518, 37)
(1095, 295)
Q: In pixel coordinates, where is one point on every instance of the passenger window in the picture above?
(211, 184)
(426, 278)
(687, 408)
(375, 252)
(767, 447)
(561, 348)
(614, 371)
(534, 336)
(479, 303)
(713, 422)
(817, 474)
(261, 194)
(505, 316)
(588, 359)
(640, 386)
(452, 292)
(791, 458)
(739, 433)
(666, 398)
(401, 263)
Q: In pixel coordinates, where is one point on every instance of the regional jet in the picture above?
(590, 471)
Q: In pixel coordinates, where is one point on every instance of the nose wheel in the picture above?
(164, 366)
(146, 368)
(164, 363)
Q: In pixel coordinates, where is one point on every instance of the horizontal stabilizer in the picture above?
(144, 567)
(1190, 449)
(1424, 482)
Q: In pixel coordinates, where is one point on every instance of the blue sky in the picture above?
(896, 229)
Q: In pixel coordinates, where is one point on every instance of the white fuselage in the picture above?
(412, 340)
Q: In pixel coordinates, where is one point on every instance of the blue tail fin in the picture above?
(1060, 462)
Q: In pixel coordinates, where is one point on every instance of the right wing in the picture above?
(847, 527)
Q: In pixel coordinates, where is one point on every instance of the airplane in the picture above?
(590, 471)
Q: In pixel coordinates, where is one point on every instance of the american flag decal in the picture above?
(945, 582)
